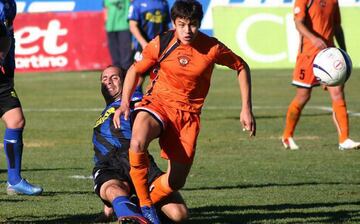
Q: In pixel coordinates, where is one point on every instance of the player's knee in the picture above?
(137, 145)
(16, 123)
(179, 215)
(113, 187)
(20, 123)
(14, 118)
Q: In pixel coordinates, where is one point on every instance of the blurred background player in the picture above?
(171, 109)
(147, 19)
(118, 33)
(10, 107)
(318, 22)
(111, 173)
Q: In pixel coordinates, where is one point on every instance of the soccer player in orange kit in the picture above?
(318, 22)
(171, 108)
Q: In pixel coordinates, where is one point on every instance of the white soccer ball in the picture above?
(332, 66)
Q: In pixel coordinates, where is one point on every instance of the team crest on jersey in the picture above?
(183, 60)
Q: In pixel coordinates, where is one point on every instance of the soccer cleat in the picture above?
(133, 220)
(349, 144)
(150, 214)
(24, 188)
(289, 143)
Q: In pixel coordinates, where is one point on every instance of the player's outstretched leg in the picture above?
(150, 214)
(13, 147)
(133, 220)
(127, 212)
(23, 187)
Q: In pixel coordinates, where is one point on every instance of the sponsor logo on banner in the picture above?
(60, 42)
(40, 48)
(267, 37)
(76, 40)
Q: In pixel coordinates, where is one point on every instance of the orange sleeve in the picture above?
(149, 56)
(224, 56)
(300, 9)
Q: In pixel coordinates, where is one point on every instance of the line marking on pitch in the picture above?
(82, 177)
(321, 108)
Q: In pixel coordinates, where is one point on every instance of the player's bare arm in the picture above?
(304, 31)
(247, 118)
(131, 80)
(134, 29)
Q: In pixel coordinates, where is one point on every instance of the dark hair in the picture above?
(187, 9)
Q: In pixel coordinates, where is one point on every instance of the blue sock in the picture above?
(13, 147)
(138, 94)
(138, 89)
(124, 207)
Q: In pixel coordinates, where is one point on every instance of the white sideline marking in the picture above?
(322, 108)
(63, 109)
(81, 177)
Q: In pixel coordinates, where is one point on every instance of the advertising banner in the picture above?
(266, 37)
(67, 35)
(60, 42)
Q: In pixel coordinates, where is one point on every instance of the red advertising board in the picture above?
(60, 42)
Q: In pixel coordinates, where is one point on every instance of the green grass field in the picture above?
(234, 179)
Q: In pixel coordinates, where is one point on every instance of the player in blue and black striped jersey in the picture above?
(10, 108)
(147, 19)
(111, 172)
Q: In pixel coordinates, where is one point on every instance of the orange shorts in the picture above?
(180, 129)
(303, 75)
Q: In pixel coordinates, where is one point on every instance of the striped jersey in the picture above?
(152, 17)
(106, 138)
(7, 16)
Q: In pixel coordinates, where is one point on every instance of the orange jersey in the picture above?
(321, 17)
(184, 76)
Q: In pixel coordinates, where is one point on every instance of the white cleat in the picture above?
(349, 144)
(289, 143)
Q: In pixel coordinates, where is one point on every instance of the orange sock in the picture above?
(292, 117)
(160, 189)
(341, 120)
(139, 163)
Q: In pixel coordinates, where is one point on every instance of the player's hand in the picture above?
(319, 43)
(248, 122)
(123, 110)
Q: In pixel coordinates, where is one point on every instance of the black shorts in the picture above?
(8, 98)
(117, 167)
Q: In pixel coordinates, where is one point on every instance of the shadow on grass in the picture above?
(54, 193)
(86, 218)
(246, 186)
(229, 214)
(273, 214)
(11, 200)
